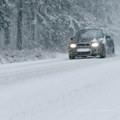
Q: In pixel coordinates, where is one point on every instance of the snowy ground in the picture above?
(61, 89)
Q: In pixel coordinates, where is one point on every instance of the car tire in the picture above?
(71, 57)
(113, 51)
(103, 52)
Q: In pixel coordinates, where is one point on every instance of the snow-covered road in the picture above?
(61, 89)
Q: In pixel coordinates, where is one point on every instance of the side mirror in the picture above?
(107, 37)
(71, 39)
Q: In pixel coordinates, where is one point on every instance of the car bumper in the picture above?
(85, 52)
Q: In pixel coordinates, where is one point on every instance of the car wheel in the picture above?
(103, 52)
(71, 57)
(113, 51)
(84, 57)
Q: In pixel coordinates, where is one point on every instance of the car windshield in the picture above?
(86, 34)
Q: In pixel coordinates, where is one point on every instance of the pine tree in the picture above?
(5, 20)
(19, 24)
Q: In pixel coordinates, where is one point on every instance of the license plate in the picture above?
(83, 50)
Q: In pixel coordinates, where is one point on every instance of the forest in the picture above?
(34, 27)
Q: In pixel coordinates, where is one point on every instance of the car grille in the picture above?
(83, 45)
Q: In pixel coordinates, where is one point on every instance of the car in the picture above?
(91, 42)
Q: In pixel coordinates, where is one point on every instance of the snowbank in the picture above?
(12, 56)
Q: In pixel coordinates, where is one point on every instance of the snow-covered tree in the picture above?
(48, 24)
(5, 21)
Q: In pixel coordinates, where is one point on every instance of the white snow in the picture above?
(61, 89)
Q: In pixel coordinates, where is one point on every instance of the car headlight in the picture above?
(95, 44)
(73, 45)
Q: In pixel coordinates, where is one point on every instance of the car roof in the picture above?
(88, 29)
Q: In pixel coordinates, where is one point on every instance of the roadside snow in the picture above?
(12, 56)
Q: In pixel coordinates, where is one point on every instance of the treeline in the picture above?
(18, 21)
(48, 24)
